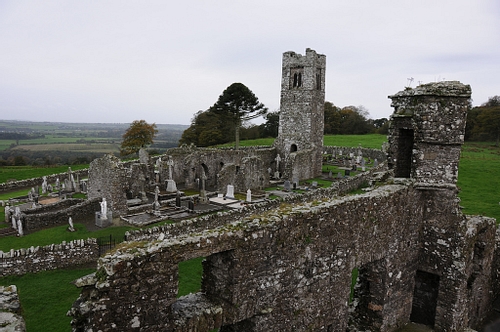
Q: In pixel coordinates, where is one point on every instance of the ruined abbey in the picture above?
(288, 264)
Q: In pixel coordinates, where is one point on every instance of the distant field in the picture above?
(93, 147)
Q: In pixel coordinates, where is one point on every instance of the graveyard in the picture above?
(281, 229)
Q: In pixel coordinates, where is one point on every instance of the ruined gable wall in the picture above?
(107, 179)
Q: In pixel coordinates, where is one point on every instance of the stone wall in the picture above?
(289, 268)
(58, 213)
(34, 182)
(10, 310)
(51, 257)
(427, 131)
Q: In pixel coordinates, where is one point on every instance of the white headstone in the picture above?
(14, 222)
(71, 226)
(230, 191)
(44, 185)
(249, 195)
(171, 186)
(20, 228)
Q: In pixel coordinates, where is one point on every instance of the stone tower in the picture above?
(300, 136)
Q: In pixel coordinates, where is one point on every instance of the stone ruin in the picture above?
(288, 265)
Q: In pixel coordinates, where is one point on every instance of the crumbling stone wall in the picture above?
(10, 310)
(34, 182)
(427, 131)
(245, 168)
(58, 213)
(51, 257)
(290, 269)
(108, 179)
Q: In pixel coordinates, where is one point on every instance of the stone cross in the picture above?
(104, 209)
(170, 164)
(44, 185)
(278, 159)
(156, 204)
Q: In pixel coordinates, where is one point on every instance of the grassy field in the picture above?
(479, 193)
(80, 147)
(46, 297)
(478, 179)
(27, 172)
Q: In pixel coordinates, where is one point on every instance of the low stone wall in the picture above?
(78, 211)
(51, 257)
(33, 182)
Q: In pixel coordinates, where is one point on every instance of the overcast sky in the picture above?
(162, 61)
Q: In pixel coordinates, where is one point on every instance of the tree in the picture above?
(270, 127)
(492, 102)
(488, 122)
(137, 136)
(235, 106)
(240, 104)
(332, 119)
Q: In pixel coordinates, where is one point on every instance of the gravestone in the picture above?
(44, 185)
(191, 205)
(71, 227)
(347, 172)
(143, 156)
(375, 162)
(104, 217)
(314, 184)
(156, 204)
(178, 199)
(339, 175)
(20, 231)
(249, 195)
(230, 191)
(171, 186)
(287, 185)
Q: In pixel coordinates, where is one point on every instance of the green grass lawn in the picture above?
(46, 297)
(479, 180)
(370, 141)
(59, 234)
(29, 172)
